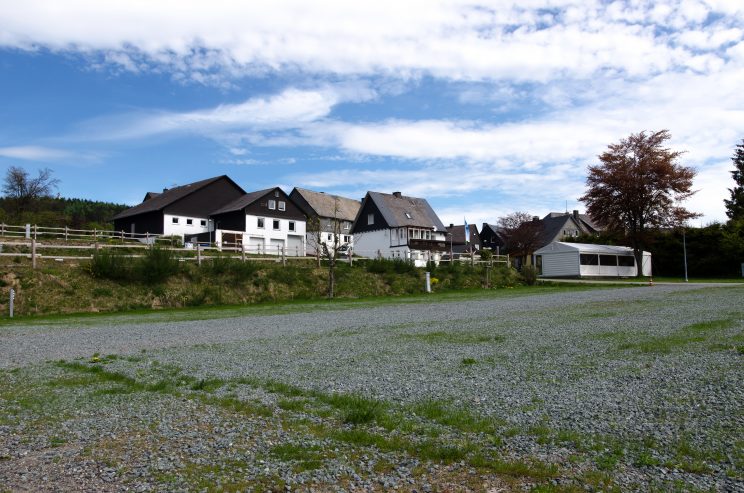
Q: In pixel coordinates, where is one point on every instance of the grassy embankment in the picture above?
(116, 283)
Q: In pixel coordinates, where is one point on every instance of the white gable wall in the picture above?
(182, 227)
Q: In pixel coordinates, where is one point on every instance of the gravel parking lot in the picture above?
(630, 388)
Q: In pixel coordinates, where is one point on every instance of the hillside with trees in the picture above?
(28, 199)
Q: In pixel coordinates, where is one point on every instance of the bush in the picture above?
(385, 266)
(236, 269)
(486, 254)
(107, 264)
(529, 274)
(157, 265)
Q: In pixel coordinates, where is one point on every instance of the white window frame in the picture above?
(261, 222)
(370, 219)
(272, 204)
(282, 205)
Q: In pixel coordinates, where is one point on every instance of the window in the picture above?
(408, 215)
(291, 224)
(203, 222)
(330, 237)
(589, 259)
(282, 205)
(272, 204)
(347, 224)
(175, 220)
(626, 261)
(608, 260)
(261, 222)
(276, 223)
(370, 218)
(538, 264)
(347, 238)
(276, 193)
(189, 221)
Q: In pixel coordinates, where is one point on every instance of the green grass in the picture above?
(679, 338)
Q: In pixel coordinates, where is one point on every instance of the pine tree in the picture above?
(735, 206)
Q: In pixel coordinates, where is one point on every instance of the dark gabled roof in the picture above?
(333, 206)
(396, 209)
(243, 201)
(458, 233)
(555, 222)
(169, 196)
(591, 225)
(150, 195)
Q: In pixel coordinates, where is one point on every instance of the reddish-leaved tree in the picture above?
(639, 184)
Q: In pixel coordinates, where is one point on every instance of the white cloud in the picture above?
(206, 42)
(36, 153)
(291, 108)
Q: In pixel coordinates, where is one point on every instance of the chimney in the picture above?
(452, 225)
(396, 194)
(165, 190)
(535, 218)
(576, 213)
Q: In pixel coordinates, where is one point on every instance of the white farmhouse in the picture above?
(333, 216)
(398, 227)
(262, 222)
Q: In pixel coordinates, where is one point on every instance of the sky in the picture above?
(483, 108)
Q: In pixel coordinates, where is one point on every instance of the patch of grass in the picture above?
(295, 405)
(459, 418)
(697, 332)
(516, 468)
(306, 458)
(208, 385)
(468, 361)
(356, 409)
(441, 337)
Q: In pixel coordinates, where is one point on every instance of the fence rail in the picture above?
(33, 231)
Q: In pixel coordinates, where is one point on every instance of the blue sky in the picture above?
(484, 108)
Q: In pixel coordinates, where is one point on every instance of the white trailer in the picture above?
(561, 259)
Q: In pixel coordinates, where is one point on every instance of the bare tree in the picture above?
(637, 185)
(521, 233)
(329, 251)
(23, 189)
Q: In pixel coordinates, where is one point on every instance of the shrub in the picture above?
(107, 264)
(226, 266)
(157, 265)
(529, 275)
(386, 266)
(486, 254)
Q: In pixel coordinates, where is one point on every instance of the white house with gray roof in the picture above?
(330, 218)
(395, 226)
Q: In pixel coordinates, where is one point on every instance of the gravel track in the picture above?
(640, 386)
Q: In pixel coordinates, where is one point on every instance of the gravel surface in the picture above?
(633, 388)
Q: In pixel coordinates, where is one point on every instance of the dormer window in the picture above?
(282, 205)
(408, 215)
(370, 219)
(272, 204)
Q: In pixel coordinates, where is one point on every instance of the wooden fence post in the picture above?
(34, 231)
(33, 252)
(284, 258)
(198, 254)
(242, 252)
(65, 233)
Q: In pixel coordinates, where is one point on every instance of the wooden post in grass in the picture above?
(65, 233)
(284, 258)
(33, 252)
(242, 252)
(198, 254)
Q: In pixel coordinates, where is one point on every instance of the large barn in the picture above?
(561, 259)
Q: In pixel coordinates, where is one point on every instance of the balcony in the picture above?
(428, 245)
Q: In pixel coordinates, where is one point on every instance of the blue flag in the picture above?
(467, 231)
